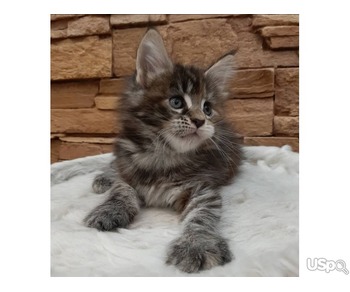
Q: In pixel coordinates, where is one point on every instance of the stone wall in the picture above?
(91, 54)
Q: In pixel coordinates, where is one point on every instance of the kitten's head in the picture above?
(181, 104)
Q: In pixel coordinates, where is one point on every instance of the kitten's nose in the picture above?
(198, 122)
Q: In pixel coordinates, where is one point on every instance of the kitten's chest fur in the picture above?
(161, 178)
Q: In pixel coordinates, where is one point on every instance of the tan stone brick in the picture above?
(286, 126)
(55, 149)
(83, 121)
(59, 24)
(184, 17)
(76, 58)
(273, 141)
(88, 25)
(64, 16)
(59, 34)
(287, 92)
(91, 140)
(59, 29)
(112, 86)
(275, 19)
(73, 94)
(251, 53)
(201, 42)
(77, 150)
(272, 31)
(107, 102)
(136, 19)
(241, 23)
(251, 117)
(283, 42)
(253, 83)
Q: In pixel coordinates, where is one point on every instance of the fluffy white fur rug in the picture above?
(260, 219)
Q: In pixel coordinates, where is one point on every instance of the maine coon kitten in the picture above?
(175, 150)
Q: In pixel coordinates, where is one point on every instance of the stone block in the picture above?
(107, 102)
(83, 121)
(251, 117)
(77, 150)
(275, 19)
(287, 92)
(88, 25)
(137, 19)
(286, 126)
(253, 83)
(73, 94)
(77, 58)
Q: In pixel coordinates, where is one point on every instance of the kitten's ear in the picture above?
(152, 58)
(221, 72)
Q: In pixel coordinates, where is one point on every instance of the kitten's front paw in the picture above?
(102, 183)
(106, 218)
(193, 253)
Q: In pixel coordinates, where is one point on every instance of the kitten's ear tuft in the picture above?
(152, 58)
(221, 72)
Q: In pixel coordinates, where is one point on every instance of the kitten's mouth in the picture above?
(193, 134)
(188, 140)
(192, 137)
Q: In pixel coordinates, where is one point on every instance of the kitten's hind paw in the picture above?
(102, 183)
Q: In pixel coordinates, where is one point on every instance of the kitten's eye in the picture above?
(177, 102)
(207, 109)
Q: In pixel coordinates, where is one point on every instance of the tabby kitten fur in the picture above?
(175, 149)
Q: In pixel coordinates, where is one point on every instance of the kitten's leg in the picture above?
(200, 246)
(105, 180)
(117, 211)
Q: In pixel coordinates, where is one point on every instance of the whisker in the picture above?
(223, 154)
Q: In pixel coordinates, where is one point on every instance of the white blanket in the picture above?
(260, 220)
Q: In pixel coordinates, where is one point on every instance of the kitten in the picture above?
(175, 150)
